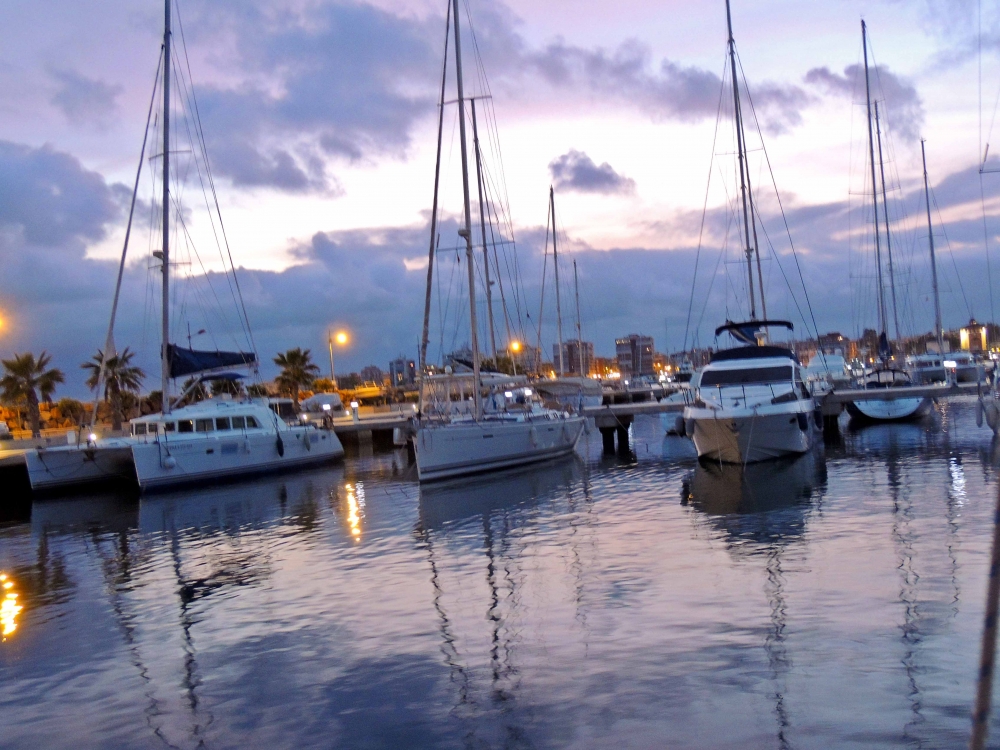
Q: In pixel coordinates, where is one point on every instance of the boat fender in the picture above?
(532, 437)
(803, 421)
(307, 440)
(679, 427)
(169, 462)
(689, 428)
(246, 445)
(979, 412)
(280, 445)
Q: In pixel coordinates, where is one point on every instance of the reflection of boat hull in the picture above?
(176, 462)
(458, 448)
(753, 437)
(889, 409)
(77, 466)
(726, 489)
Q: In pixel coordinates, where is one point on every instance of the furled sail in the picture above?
(189, 361)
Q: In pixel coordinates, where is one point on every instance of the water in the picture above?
(831, 601)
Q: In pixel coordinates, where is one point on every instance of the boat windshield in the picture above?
(753, 376)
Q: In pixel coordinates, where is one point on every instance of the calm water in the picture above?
(832, 601)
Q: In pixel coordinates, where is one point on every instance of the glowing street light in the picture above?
(341, 338)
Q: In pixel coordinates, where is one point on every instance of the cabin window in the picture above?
(222, 423)
(185, 425)
(239, 423)
(251, 422)
(169, 426)
(754, 376)
(139, 429)
(204, 425)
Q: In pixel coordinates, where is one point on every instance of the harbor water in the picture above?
(832, 601)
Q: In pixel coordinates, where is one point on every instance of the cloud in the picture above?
(899, 101)
(84, 100)
(576, 172)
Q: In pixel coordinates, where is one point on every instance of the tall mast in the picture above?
(466, 231)
(579, 327)
(871, 159)
(555, 260)
(165, 334)
(482, 225)
(740, 150)
(930, 238)
(425, 337)
(885, 214)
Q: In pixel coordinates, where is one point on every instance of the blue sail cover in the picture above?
(188, 361)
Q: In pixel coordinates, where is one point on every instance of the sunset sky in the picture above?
(320, 121)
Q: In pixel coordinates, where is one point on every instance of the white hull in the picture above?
(180, 460)
(459, 448)
(748, 437)
(889, 409)
(70, 466)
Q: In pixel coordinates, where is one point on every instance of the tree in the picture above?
(120, 377)
(27, 379)
(257, 390)
(72, 410)
(297, 371)
(231, 387)
(195, 390)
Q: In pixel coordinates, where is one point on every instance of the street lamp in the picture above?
(340, 337)
(513, 349)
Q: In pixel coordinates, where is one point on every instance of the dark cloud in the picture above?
(344, 80)
(84, 100)
(898, 99)
(576, 172)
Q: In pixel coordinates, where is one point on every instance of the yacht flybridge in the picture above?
(503, 423)
(751, 402)
(216, 438)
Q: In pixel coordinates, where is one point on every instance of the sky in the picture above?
(320, 125)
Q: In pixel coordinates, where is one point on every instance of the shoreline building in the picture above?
(571, 356)
(635, 355)
(402, 372)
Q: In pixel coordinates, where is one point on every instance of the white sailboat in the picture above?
(884, 375)
(503, 426)
(751, 402)
(212, 439)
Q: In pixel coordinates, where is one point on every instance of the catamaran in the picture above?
(211, 439)
(505, 423)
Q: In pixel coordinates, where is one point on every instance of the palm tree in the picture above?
(297, 370)
(120, 377)
(27, 379)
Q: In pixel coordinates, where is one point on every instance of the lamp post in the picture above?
(339, 337)
(512, 350)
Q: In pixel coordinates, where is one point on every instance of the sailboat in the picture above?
(884, 375)
(569, 391)
(212, 439)
(506, 424)
(751, 402)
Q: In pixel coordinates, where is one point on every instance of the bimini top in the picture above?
(745, 331)
(753, 352)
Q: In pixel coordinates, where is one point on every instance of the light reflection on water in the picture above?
(828, 601)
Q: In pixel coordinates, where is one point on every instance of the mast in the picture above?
(871, 159)
(930, 238)
(466, 231)
(555, 261)
(740, 150)
(579, 327)
(482, 226)
(425, 337)
(165, 334)
(885, 214)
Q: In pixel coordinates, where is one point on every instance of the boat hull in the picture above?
(749, 438)
(171, 463)
(457, 449)
(889, 409)
(71, 466)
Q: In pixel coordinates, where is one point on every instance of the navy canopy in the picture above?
(188, 361)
